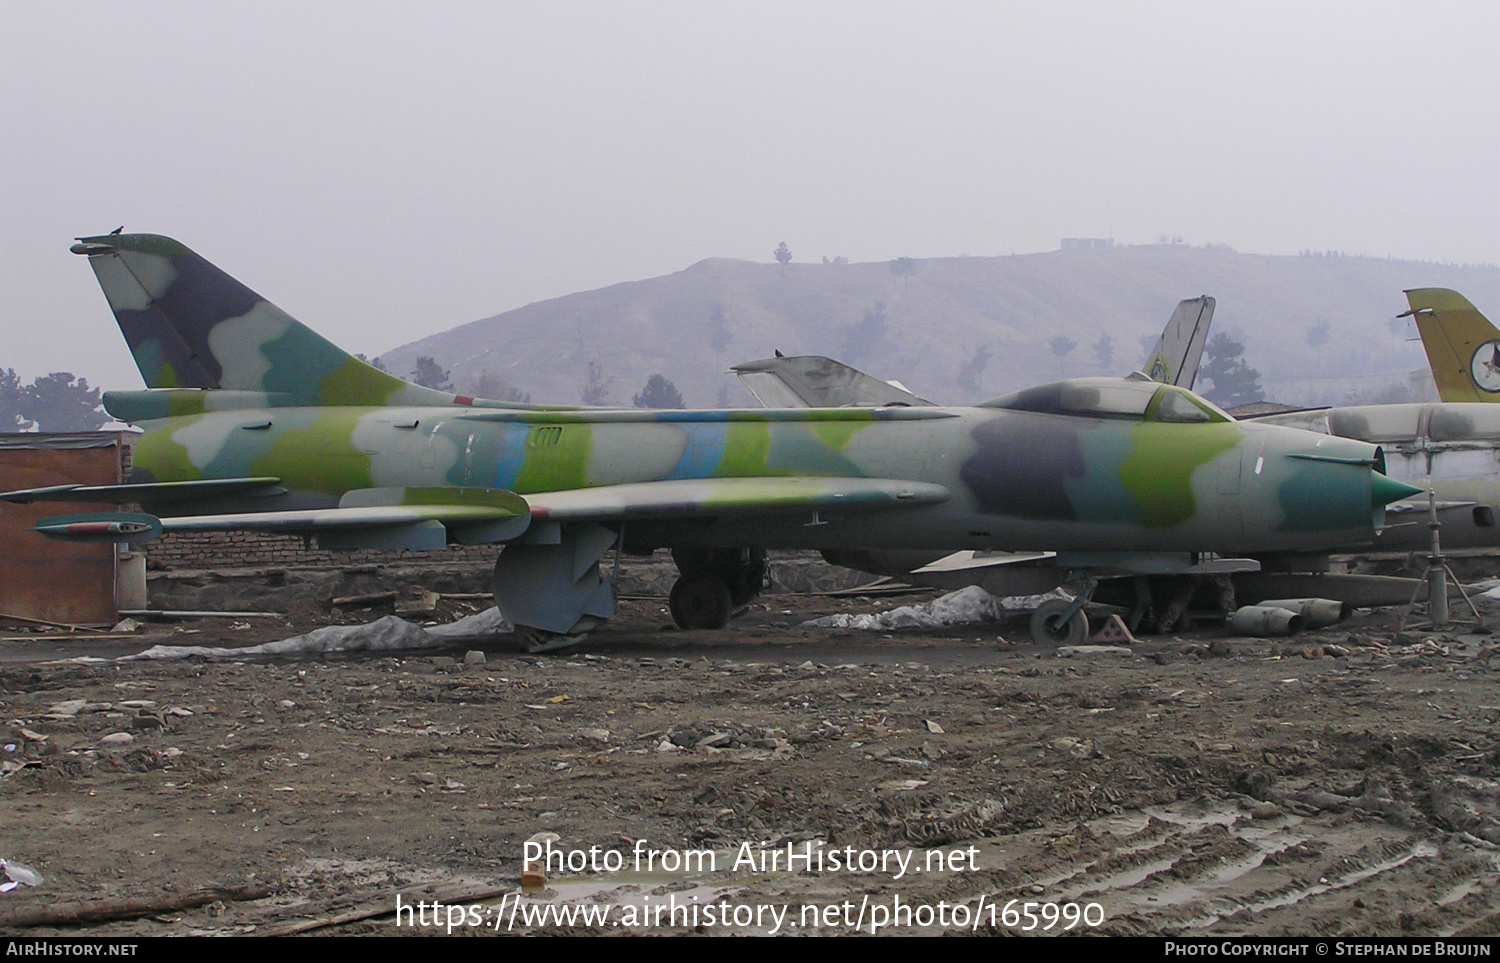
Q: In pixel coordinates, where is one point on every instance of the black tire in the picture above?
(1047, 627)
(701, 602)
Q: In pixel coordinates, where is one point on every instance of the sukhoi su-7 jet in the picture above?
(254, 422)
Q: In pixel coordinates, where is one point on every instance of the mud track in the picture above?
(1344, 783)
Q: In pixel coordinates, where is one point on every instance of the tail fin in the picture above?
(190, 325)
(1174, 360)
(1462, 346)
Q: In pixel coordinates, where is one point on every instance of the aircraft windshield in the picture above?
(1178, 406)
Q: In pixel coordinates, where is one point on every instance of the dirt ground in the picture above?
(1344, 782)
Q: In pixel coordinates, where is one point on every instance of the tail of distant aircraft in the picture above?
(1174, 360)
(190, 325)
(1462, 346)
(819, 382)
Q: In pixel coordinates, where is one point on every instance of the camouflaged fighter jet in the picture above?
(254, 422)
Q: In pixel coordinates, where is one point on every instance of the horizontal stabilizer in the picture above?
(409, 518)
(145, 492)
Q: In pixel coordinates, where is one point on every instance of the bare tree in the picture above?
(904, 267)
(596, 389)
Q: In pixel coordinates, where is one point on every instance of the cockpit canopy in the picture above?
(1118, 398)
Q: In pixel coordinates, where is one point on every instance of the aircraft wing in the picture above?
(428, 518)
(709, 497)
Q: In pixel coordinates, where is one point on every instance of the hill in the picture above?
(1321, 329)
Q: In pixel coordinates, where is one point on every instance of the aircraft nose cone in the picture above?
(1384, 490)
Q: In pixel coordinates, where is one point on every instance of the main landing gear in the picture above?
(714, 583)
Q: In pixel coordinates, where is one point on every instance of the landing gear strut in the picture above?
(715, 582)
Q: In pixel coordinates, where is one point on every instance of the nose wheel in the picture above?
(1052, 623)
(1062, 621)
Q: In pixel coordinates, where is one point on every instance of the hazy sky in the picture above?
(386, 171)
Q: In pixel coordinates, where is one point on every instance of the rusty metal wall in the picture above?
(45, 579)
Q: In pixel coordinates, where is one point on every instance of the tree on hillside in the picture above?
(1317, 334)
(1061, 345)
(596, 389)
(372, 362)
(1104, 350)
(904, 267)
(429, 374)
(1234, 382)
(970, 370)
(783, 254)
(487, 384)
(864, 335)
(61, 402)
(719, 335)
(659, 393)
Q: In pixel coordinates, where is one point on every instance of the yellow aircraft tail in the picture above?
(1462, 346)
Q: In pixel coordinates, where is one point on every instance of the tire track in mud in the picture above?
(1188, 871)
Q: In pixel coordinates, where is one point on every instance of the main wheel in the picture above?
(1048, 628)
(701, 602)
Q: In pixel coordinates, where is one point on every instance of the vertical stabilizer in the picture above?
(1463, 348)
(1174, 360)
(190, 325)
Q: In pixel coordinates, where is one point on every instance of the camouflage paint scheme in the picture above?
(242, 391)
(1012, 478)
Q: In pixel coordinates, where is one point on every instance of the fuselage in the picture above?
(1018, 479)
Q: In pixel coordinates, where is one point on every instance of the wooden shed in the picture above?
(41, 578)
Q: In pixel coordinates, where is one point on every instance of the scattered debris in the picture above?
(1069, 651)
(383, 635)
(1265, 621)
(18, 874)
(965, 606)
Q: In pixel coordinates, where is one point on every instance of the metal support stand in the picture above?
(1438, 574)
